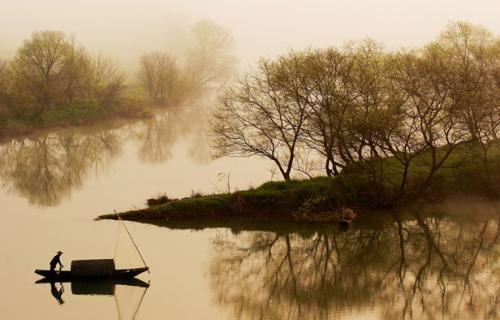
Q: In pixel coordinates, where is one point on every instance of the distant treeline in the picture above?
(357, 106)
(51, 71)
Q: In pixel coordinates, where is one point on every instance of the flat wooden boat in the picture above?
(94, 269)
(68, 275)
(134, 282)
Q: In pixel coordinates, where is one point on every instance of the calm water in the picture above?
(413, 266)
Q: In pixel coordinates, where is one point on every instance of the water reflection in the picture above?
(128, 293)
(410, 268)
(158, 136)
(57, 292)
(46, 169)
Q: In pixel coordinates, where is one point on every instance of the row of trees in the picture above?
(208, 62)
(361, 103)
(50, 70)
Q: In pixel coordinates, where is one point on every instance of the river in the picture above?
(411, 266)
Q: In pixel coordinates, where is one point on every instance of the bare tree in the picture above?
(106, 83)
(158, 76)
(371, 107)
(473, 55)
(327, 79)
(13, 93)
(425, 78)
(210, 58)
(265, 113)
(76, 72)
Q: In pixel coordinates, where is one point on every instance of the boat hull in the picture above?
(67, 275)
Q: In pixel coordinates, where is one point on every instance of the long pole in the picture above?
(130, 236)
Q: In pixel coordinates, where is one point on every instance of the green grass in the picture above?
(462, 172)
(67, 115)
(72, 114)
(272, 199)
(75, 114)
(319, 199)
(316, 199)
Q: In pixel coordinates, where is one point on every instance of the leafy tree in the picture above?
(39, 64)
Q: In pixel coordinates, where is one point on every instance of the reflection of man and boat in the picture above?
(57, 293)
(99, 277)
(128, 293)
(94, 269)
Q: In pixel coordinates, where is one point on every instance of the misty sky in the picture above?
(124, 29)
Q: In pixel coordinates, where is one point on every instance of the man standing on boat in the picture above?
(55, 261)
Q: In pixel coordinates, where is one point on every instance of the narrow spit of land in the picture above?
(78, 115)
(323, 199)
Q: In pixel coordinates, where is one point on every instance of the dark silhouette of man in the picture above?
(56, 260)
(57, 293)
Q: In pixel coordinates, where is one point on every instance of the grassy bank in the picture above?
(72, 115)
(321, 199)
(270, 200)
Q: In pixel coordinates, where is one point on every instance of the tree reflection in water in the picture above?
(46, 169)
(159, 135)
(412, 268)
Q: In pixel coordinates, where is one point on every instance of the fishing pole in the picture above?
(130, 236)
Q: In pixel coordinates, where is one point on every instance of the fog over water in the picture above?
(126, 29)
(429, 262)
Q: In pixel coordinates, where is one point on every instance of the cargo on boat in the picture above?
(92, 269)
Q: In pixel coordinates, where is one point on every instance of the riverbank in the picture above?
(75, 115)
(271, 200)
(457, 209)
(322, 199)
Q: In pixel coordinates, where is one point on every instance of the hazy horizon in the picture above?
(124, 30)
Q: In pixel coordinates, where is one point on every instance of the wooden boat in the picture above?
(68, 275)
(95, 269)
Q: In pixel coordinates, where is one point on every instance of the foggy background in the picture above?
(125, 29)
